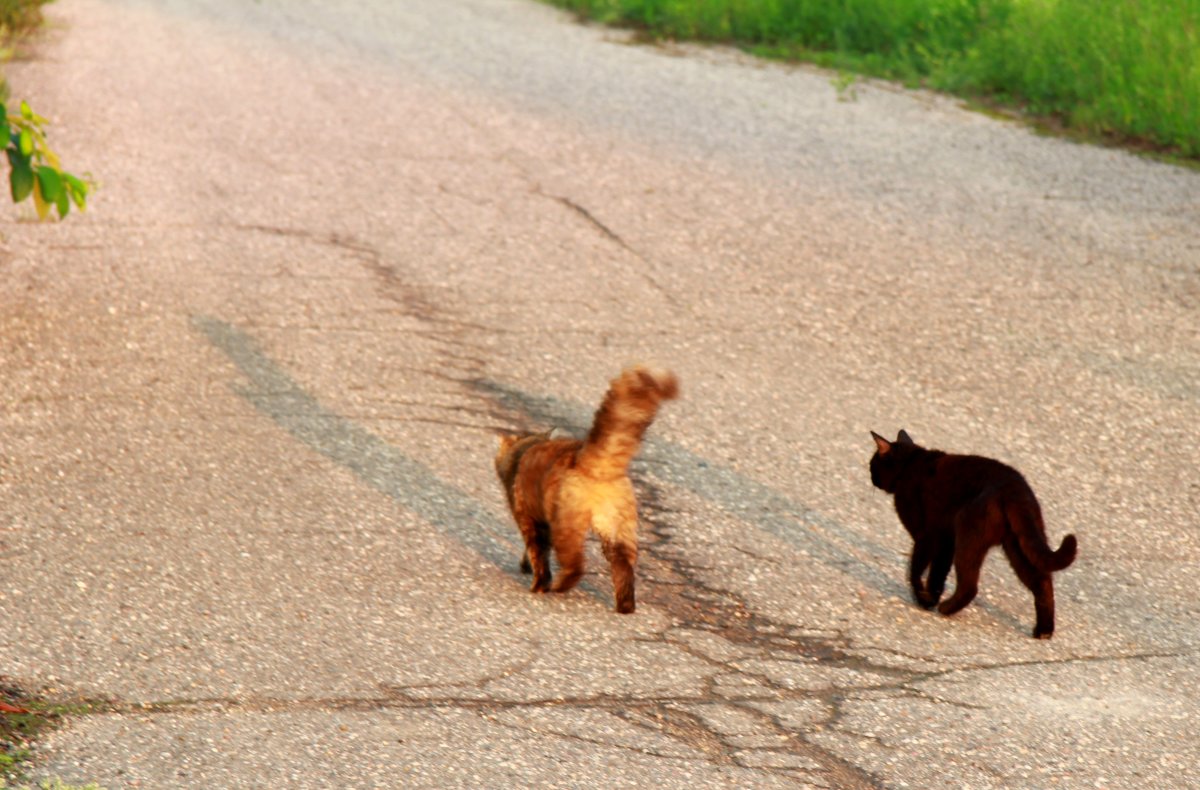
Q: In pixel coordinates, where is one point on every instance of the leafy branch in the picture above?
(35, 169)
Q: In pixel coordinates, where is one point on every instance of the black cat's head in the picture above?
(890, 459)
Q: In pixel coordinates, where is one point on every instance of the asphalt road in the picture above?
(250, 400)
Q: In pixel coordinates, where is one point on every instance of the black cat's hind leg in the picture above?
(978, 526)
(968, 561)
(1039, 582)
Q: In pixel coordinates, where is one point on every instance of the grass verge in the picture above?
(1124, 71)
(23, 718)
(18, 18)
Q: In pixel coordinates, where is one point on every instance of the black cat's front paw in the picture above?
(926, 599)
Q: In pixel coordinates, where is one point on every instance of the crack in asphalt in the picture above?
(614, 237)
(394, 696)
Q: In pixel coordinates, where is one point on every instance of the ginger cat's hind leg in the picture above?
(622, 557)
(568, 535)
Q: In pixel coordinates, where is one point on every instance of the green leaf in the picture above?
(25, 142)
(20, 178)
(63, 203)
(39, 201)
(26, 111)
(78, 189)
(49, 183)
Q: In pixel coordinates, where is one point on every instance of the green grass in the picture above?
(48, 784)
(1131, 69)
(1122, 69)
(19, 731)
(18, 18)
(21, 15)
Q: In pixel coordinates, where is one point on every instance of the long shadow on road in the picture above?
(277, 395)
(456, 514)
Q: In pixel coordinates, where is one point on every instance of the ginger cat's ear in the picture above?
(506, 441)
(904, 438)
(883, 444)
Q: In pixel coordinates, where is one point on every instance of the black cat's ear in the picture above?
(883, 444)
(904, 438)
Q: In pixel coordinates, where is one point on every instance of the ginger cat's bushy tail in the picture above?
(629, 407)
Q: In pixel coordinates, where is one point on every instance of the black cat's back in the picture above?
(973, 478)
(958, 480)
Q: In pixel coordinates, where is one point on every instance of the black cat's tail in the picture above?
(1027, 523)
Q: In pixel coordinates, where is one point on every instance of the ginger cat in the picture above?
(558, 489)
(956, 507)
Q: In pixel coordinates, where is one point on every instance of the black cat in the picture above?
(956, 507)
